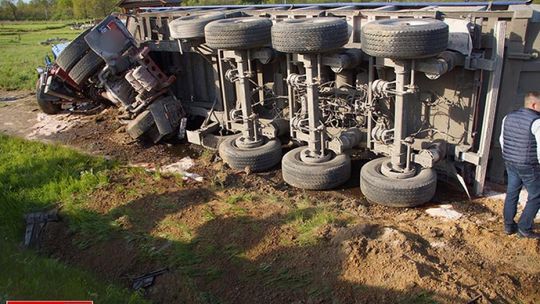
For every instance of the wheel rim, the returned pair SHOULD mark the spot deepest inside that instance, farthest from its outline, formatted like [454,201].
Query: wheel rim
[387,170]
[309,158]
[243,143]
[406,22]
[241,20]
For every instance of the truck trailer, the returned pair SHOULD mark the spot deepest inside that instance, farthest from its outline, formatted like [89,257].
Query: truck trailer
[424,86]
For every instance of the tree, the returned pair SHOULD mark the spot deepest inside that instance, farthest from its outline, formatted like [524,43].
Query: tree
[46,5]
[10,8]
[81,9]
[63,9]
[102,8]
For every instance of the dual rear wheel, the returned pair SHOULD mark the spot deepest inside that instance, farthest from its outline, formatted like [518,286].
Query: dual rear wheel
[333,172]
[79,60]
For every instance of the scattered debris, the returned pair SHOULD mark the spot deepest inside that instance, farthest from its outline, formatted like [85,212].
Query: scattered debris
[54,41]
[13,98]
[147,280]
[438,244]
[81,26]
[9,99]
[194,176]
[87,108]
[444,211]
[35,224]
[181,167]
[48,125]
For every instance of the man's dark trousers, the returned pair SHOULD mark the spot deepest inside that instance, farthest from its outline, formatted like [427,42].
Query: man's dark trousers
[519,176]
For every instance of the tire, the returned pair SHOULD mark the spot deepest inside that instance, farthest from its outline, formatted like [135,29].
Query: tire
[258,159]
[313,35]
[404,38]
[86,67]
[238,33]
[190,27]
[315,176]
[73,52]
[45,102]
[392,192]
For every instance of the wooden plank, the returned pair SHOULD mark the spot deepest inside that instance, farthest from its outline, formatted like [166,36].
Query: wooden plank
[490,108]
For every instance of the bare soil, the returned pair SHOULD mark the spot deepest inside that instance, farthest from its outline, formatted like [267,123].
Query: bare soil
[250,249]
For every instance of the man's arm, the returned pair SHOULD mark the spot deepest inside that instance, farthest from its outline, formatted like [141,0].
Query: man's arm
[535,129]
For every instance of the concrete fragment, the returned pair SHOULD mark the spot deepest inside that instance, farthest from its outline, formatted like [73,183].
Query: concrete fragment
[444,211]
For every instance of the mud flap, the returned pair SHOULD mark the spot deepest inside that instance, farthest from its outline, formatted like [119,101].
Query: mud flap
[160,120]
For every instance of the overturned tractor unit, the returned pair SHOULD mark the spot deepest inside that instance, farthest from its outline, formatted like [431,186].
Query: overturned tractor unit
[424,86]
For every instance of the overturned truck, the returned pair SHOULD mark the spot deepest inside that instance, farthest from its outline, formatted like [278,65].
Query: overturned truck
[423,85]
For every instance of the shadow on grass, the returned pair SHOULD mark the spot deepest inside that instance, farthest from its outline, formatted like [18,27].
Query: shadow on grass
[227,254]
[232,258]
[34,176]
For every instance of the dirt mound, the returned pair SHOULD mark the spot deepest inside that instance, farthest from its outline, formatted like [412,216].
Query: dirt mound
[385,256]
[388,257]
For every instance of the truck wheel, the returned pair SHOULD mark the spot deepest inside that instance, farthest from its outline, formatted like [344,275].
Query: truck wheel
[45,102]
[258,159]
[192,26]
[73,52]
[404,38]
[86,67]
[392,192]
[238,33]
[315,176]
[313,35]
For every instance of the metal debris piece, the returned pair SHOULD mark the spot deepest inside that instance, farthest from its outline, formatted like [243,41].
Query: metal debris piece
[35,224]
[183,126]
[147,280]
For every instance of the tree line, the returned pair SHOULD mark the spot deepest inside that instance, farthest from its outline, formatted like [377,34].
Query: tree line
[55,9]
[84,9]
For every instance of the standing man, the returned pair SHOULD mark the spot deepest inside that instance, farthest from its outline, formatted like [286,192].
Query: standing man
[520,143]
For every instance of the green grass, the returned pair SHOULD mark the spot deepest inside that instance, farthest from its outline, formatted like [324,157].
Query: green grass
[35,176]
[26,276]
[174,229]
[237,198]
[307,222]
[22,52]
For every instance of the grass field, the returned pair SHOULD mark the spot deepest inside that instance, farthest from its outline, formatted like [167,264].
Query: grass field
[21,51]
[34,176]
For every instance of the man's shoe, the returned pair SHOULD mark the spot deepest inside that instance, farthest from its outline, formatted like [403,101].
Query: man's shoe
[510,229]
[528,234]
